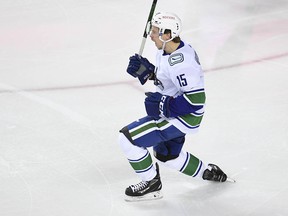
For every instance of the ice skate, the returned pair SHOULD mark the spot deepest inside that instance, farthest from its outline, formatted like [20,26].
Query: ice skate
[214,173]
[145,190]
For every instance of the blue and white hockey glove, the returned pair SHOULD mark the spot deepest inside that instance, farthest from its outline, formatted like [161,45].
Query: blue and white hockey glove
[140,67]
[157,104]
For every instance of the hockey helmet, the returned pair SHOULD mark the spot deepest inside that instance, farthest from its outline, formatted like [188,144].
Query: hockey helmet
[167,20]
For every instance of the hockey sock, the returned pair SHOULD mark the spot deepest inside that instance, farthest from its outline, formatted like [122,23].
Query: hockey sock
[139,158]
[192,166]
[187,164]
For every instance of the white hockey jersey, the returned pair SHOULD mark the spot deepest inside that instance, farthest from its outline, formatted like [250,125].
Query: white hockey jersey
[180,74]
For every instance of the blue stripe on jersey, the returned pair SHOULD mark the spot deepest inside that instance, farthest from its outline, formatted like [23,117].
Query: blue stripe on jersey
[194,91]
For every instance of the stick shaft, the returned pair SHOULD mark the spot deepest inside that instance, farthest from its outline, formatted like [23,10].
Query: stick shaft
[145,32]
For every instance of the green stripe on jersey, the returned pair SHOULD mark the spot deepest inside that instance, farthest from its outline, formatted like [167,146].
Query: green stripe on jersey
[191,120]
[198,98]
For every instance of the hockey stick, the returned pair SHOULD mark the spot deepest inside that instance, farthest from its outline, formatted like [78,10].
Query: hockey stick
[145,34]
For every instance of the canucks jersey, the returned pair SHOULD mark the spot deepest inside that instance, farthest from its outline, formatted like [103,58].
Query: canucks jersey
[180,75]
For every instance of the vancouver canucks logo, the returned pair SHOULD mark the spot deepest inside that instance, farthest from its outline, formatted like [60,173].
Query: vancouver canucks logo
[176,58]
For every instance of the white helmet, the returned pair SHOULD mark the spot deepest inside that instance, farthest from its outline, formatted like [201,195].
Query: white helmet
[165,20]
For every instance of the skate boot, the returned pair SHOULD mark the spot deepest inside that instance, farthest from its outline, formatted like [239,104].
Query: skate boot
[214,173]
[145,190]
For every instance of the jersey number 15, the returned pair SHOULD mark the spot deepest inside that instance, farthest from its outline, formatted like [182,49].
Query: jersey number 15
[182,80]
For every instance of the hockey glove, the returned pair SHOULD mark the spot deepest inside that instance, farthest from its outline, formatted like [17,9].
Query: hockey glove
[140,67]
[157,104]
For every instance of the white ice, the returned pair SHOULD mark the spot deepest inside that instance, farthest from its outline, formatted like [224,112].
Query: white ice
[64,94]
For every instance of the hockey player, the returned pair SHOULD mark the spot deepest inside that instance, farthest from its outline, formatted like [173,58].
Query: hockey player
[175,109]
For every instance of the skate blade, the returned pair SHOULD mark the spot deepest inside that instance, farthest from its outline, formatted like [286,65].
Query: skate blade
[230,180]
[150,196]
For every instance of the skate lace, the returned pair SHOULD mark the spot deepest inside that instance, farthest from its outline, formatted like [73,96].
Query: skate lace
[140,186]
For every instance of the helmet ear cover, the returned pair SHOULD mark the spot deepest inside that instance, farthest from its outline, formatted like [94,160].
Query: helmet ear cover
[161,32]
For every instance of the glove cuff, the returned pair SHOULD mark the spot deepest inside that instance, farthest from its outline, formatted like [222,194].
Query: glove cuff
[164,106]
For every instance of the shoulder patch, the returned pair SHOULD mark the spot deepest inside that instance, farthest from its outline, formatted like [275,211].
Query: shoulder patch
[176,58]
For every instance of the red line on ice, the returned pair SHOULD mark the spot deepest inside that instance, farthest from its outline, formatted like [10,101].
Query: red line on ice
[97,85]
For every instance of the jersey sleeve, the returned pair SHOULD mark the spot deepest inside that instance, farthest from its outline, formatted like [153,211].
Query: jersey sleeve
[189,102]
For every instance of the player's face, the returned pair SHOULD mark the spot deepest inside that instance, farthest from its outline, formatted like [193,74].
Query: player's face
[154,35]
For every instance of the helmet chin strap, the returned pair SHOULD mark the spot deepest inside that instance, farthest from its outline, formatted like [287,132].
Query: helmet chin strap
[163,45]
[164,42]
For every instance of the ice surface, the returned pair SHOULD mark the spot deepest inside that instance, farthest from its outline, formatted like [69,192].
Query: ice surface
[64,94]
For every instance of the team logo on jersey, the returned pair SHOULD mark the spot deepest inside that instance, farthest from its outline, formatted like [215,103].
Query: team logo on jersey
[176,58]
